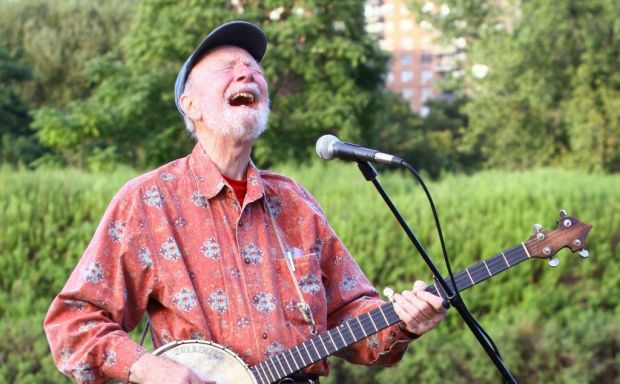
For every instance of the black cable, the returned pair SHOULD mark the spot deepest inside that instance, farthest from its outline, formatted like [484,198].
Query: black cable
[445,255]
[146,329]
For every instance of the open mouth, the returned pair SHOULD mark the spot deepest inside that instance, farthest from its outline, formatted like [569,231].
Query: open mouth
[242,99]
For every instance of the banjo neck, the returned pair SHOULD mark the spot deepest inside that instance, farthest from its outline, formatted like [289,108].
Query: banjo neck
[355,329]
[325,344]
[571,233]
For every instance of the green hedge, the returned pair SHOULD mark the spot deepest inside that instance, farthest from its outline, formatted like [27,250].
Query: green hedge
[555,325]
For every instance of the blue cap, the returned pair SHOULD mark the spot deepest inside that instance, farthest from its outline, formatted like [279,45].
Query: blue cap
[236,33]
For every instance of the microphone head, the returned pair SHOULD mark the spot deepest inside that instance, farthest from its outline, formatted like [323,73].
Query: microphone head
[325,145]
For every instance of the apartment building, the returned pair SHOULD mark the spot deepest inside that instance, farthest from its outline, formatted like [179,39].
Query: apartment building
[417,62]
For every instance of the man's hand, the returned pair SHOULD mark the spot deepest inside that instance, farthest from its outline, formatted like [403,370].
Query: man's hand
[418,310]
[150,369]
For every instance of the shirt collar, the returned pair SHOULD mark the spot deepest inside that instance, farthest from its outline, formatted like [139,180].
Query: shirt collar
[210,181]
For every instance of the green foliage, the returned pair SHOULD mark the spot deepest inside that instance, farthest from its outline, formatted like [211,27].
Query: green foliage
[55,39]
[552,325]
[442,134]
[101,81]
[17,144]
[67,134]
[325,74]
[53,42]
[47,218]
[12,111]
[24,355]
[432,144]
[551,96]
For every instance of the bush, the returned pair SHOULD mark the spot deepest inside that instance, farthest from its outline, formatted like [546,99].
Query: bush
[552,325]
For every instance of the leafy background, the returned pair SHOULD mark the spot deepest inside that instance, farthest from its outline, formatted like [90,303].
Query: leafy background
[86,104]
[88,84]
[552,325]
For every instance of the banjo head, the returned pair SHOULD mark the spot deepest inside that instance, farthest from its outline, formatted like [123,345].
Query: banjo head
[209,360]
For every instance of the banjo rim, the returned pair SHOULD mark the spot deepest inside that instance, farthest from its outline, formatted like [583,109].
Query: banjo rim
[175,344]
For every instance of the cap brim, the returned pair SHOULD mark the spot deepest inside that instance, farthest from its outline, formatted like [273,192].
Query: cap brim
[236,33]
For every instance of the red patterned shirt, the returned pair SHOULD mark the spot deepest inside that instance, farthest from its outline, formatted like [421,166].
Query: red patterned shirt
[175,242]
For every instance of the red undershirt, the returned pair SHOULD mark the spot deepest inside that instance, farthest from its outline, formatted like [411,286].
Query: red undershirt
[238,186]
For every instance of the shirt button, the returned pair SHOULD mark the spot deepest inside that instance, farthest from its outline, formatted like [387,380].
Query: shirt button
[240,224]
[264,335]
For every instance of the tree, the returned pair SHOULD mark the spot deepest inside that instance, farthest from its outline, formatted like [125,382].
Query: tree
[443,131]
[17,142]
[325,75]
[54,41]
[551,93]
[56,38]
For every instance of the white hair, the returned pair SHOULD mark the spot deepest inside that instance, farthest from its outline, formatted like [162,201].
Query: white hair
[247,123]
[189,123]
[189,126]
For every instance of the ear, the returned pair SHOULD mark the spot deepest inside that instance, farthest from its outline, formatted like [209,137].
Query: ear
[189,107]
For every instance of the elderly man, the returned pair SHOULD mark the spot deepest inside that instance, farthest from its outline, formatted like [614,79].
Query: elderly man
[214,249]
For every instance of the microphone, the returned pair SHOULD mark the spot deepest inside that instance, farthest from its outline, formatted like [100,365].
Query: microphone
[329,147]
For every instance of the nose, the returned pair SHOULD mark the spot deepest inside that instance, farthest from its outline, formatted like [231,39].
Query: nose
[243,73]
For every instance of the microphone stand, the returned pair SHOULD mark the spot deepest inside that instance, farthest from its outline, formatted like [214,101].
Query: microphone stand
[370,174]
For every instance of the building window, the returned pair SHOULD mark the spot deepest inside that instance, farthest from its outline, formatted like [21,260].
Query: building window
[426,76]
[406,59]
[426,58]
[375,28]
[406,76]
[424,111]
[406,25]
[385,44]
[390,77]
[387,9]
[407,93]
[371,11]
[427,93]
[406,43]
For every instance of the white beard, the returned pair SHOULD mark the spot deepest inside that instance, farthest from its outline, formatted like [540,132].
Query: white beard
[238,122]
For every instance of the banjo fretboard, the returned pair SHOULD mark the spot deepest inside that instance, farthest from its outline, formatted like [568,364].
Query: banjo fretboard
[353,330]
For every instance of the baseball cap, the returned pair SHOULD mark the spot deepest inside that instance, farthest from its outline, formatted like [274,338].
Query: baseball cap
[237,33]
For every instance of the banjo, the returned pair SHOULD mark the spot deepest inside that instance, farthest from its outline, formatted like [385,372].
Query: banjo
[215,362]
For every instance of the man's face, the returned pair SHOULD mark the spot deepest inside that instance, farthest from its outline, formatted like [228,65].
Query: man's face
[230,93]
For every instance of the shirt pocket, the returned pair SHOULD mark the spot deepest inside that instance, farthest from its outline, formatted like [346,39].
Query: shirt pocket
[309,279]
